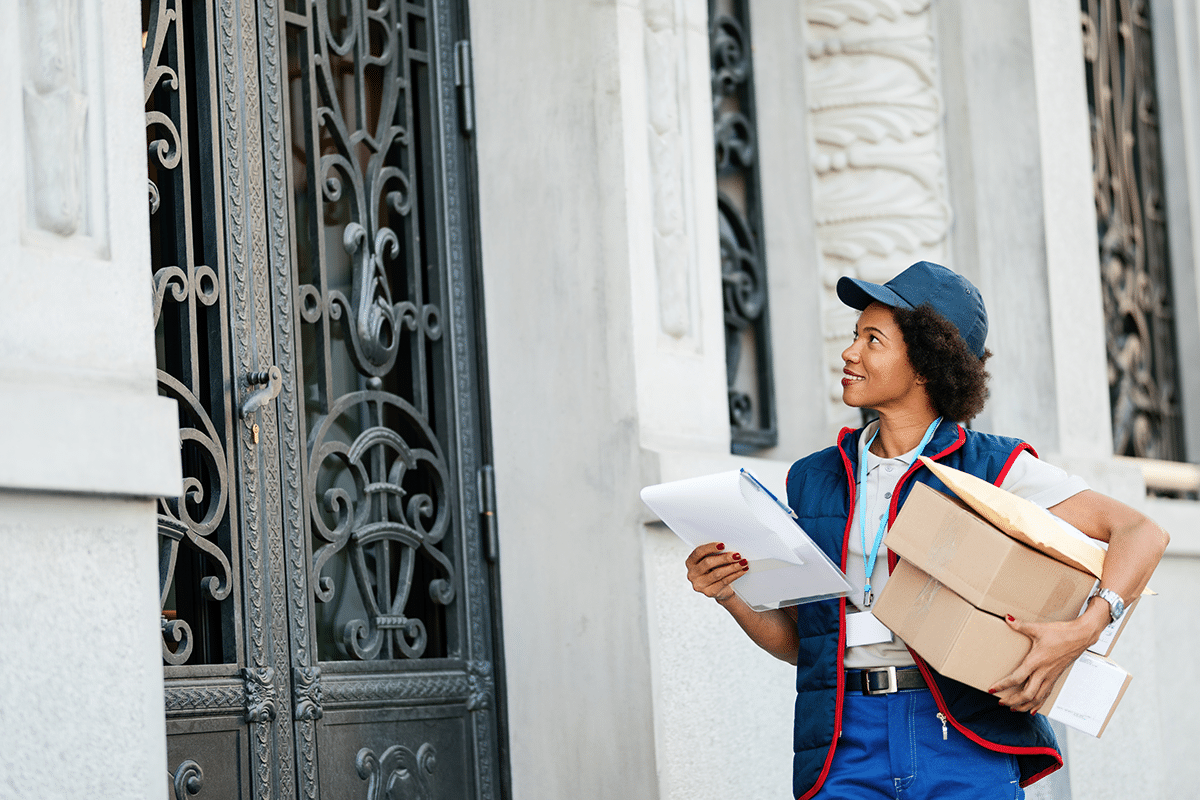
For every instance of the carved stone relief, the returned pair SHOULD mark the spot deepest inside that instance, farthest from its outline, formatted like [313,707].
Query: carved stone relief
[879,177]
[56,111]
[663,45]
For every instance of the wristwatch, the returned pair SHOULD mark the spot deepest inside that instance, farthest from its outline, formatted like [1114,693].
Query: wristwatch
[1116,606]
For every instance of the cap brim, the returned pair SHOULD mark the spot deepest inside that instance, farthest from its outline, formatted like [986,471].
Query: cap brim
[860,294]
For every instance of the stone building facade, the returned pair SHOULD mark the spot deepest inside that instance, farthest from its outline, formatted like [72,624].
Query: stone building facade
[885,132]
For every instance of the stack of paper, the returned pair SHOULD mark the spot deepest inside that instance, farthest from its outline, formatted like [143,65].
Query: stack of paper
[786,567]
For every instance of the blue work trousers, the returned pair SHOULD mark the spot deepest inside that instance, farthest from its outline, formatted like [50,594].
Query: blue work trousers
[895,746]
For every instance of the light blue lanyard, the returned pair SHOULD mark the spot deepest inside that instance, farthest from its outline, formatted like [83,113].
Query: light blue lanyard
[869,561]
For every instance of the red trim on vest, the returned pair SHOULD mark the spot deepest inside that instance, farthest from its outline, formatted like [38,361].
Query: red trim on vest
[841,685]
[926,671]
[1012,459]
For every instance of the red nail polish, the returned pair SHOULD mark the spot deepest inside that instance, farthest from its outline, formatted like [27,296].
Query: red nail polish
[735,556]
[743,562]
[721,546]
[1010,618]
[991,691]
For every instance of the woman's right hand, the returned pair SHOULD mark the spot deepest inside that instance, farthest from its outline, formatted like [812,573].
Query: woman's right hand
[712,570]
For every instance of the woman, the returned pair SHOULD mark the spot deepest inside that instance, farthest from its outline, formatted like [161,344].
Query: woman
[872,719]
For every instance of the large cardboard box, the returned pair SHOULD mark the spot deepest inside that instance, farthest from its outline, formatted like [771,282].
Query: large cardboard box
[954,637]
[977,648]
[985,566]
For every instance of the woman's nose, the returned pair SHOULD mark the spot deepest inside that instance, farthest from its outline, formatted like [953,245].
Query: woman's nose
[850,354]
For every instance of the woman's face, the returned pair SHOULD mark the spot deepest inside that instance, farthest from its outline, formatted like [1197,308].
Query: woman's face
[878,374]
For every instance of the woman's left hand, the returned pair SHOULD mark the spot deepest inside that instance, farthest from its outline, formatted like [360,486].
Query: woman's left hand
[1056,645]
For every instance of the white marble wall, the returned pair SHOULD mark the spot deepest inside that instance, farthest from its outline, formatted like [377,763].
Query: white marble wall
[86,438]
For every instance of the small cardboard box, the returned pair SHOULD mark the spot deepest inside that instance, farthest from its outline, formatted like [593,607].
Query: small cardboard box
[985,566]
[977,648]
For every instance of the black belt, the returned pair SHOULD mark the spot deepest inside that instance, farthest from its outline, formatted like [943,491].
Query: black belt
[885,680]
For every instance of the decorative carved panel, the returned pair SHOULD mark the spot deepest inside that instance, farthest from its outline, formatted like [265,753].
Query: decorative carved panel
[56,115]
[879,182]
[668,159]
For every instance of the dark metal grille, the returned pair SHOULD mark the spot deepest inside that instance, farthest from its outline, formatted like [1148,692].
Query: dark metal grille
[1127,171]
[378,486]
[739,207]
[198,570]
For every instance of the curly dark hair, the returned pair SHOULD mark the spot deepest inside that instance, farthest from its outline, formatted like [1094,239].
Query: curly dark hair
[955,377]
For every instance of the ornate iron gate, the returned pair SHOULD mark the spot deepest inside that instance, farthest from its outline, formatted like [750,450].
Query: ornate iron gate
[327,622]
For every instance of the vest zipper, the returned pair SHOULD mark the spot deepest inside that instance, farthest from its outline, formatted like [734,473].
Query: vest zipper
[945,732]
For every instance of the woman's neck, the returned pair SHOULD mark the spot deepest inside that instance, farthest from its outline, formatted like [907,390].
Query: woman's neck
[901,432]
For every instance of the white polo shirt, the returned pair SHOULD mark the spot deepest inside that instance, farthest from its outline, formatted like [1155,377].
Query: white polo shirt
[1043,484]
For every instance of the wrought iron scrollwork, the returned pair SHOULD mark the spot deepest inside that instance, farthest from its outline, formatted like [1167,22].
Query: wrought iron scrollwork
[377,493]
[383,501]
[188,310]
[399,772]
[360,172]
[1135,272]
[188,780]
[192,518]
[743,268]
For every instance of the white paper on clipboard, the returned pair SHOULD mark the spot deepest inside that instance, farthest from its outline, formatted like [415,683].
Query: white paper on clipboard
[786,566]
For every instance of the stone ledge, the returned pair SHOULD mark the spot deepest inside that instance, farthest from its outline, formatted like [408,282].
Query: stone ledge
[94,441]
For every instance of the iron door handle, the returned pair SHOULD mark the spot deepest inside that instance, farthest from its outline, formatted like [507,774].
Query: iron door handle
[273,378]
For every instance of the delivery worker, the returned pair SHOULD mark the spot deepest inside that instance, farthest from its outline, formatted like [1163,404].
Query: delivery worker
[872,719]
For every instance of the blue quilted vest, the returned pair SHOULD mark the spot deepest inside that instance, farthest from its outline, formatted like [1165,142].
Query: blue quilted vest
[821,488]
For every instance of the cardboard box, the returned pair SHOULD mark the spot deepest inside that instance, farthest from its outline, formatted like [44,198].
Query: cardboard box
[954,637]
[977,648]
[982,564]
[1021,519]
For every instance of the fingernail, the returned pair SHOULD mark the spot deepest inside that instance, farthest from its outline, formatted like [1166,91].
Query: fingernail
[991,691]
[743,562]
[721,546]
[1010,618]
[736,556]
[1033,711]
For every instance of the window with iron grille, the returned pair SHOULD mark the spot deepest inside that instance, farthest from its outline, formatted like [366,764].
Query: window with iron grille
[739,206]
[1132,228]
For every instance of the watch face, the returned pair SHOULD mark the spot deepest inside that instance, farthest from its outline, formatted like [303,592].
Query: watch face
[1118,610]
[1115,603]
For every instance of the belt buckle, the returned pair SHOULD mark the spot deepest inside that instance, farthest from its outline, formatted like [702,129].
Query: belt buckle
[890,688]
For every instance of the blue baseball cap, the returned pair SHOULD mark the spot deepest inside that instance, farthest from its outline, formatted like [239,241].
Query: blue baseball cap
[950,294]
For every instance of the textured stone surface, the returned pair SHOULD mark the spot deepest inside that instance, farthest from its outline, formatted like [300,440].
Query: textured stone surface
[80,669]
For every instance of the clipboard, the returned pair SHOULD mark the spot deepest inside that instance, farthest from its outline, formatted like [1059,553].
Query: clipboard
[785,566]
